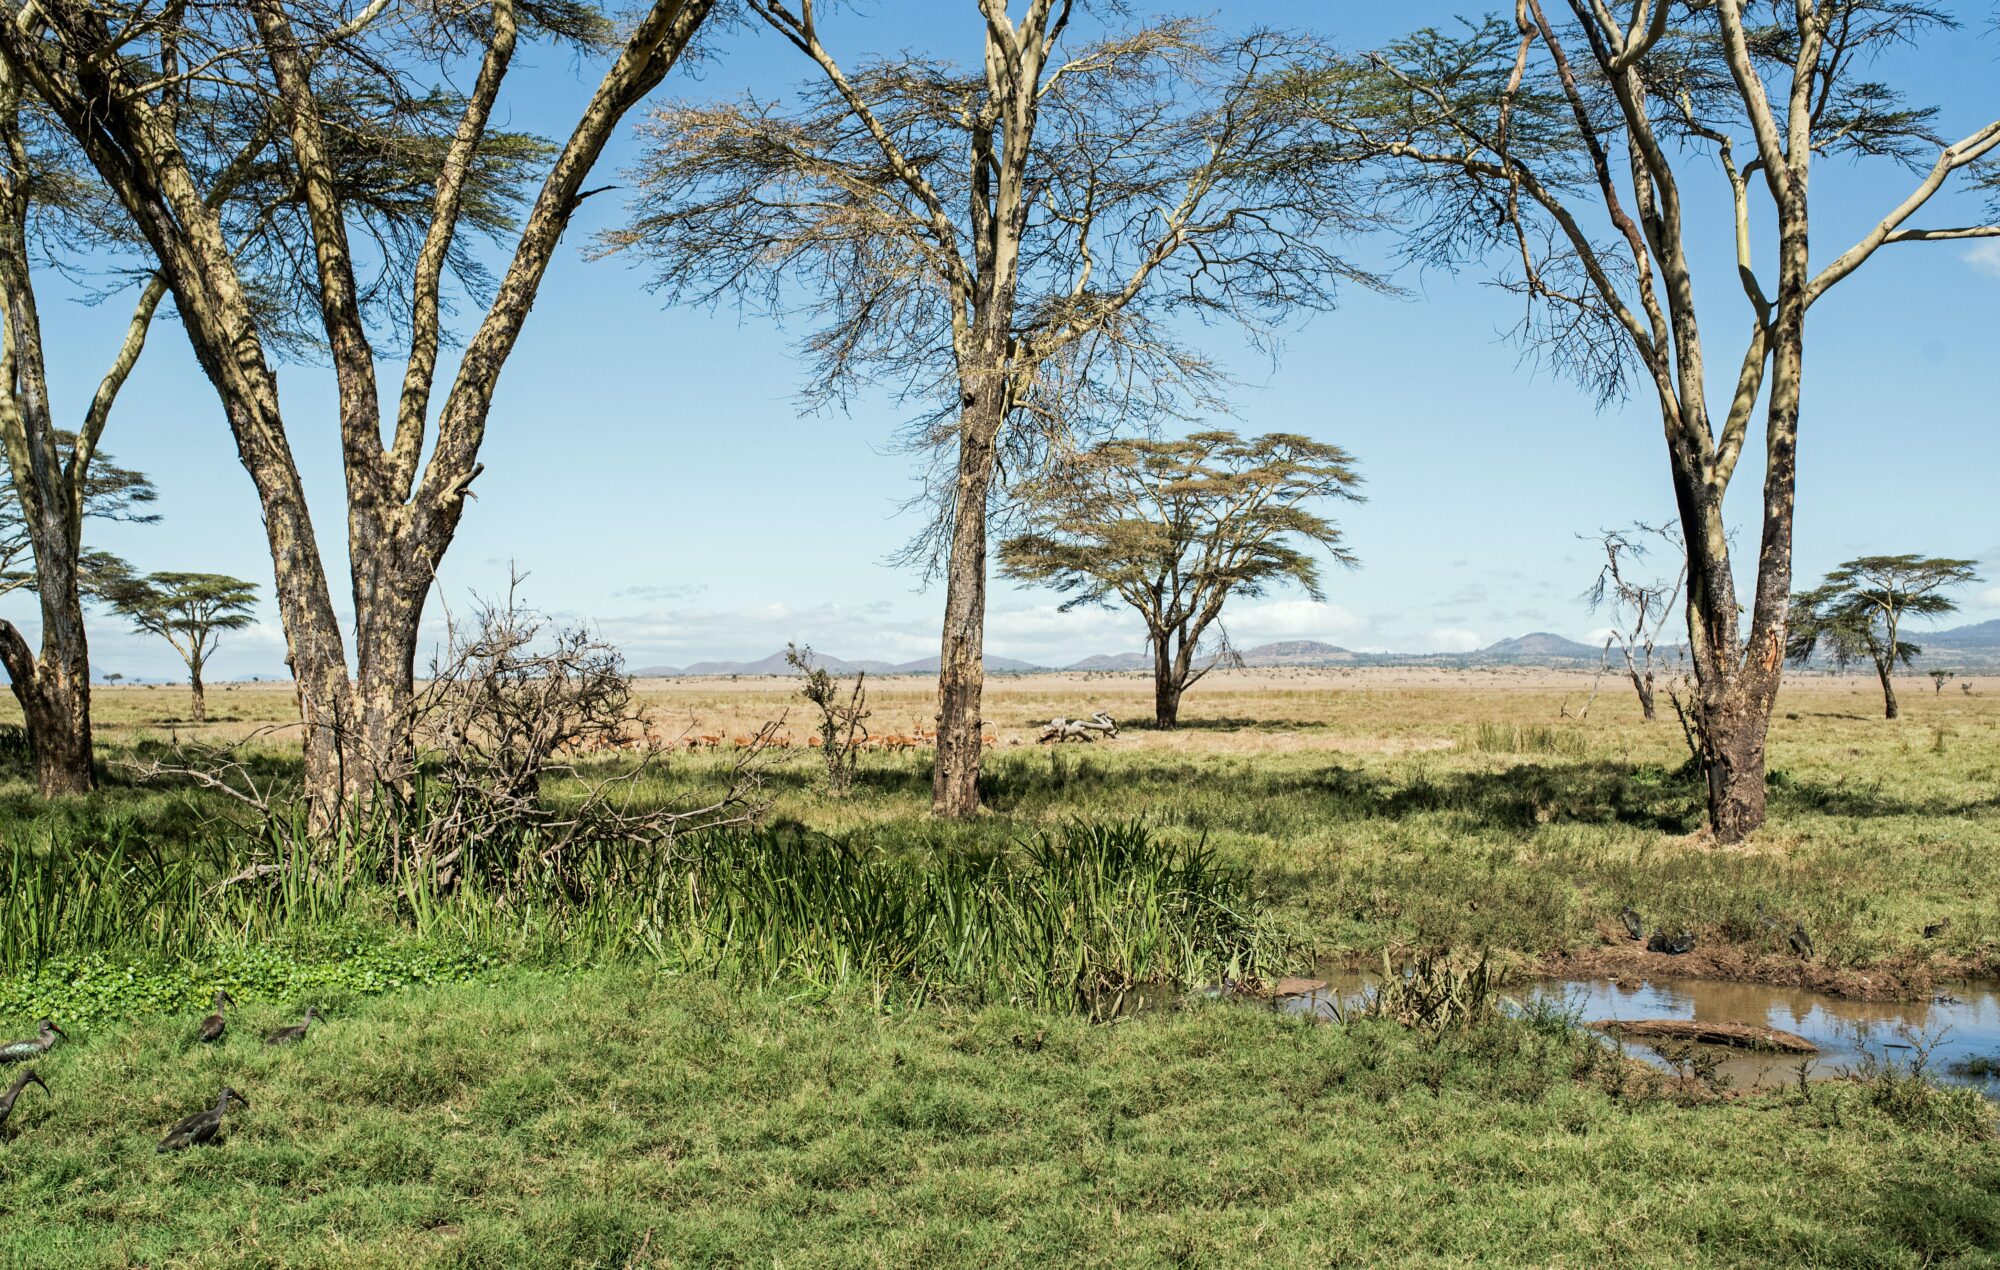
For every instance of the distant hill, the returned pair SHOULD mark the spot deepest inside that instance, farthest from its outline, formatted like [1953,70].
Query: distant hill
[775,664]
[1538,649]
[1974,647]
[1980,635]
[929,665]
[1114,661]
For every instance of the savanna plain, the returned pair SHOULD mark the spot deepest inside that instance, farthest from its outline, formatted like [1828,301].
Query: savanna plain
[855,1035]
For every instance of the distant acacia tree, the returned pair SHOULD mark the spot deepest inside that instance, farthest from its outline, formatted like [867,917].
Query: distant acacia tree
[1857,613]
[1175,528]
[190,611]
[1638,607]
[1014,247]
[1569,143]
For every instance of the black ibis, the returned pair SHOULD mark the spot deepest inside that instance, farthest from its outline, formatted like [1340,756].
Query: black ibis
[1801,942]
[213,1025]
[1673,945]
[296,1032]
[1633,927]
[35,1046]
[21,1082]
[1937,928]
[200,1128]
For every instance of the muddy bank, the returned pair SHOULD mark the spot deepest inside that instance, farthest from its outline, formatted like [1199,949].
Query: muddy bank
[1913,976]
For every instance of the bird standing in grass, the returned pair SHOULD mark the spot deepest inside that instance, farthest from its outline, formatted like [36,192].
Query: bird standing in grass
[21,1082]
[1801,942]
[296,1032]
[1937,928]
[1634,929]
[212,1026]
[35,1046]
[200,1128]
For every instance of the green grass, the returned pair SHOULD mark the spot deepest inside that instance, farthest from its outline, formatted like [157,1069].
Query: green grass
[617,1118]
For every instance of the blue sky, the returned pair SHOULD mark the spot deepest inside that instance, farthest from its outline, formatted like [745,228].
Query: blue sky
[650,470]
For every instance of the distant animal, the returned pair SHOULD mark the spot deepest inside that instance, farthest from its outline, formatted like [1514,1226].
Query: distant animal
[1937,928]
[21,1082]
[212,1026]
[295,1033]
[1801,942]
[1673,946]
[1634,929]
[35,1046]
[202,1127]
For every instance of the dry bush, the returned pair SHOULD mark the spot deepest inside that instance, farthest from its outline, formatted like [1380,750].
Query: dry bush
[514,702]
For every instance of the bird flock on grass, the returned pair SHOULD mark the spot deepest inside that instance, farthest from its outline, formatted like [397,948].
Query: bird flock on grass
[1800,941]
[199,1129]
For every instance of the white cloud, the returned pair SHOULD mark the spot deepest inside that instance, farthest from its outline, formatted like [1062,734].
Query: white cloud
[1447,639]
[1984,257]
[1987,599]
[1260,622]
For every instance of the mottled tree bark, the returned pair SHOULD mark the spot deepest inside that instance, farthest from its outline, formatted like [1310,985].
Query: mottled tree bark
[356,728]
[1169,674]
[962,651]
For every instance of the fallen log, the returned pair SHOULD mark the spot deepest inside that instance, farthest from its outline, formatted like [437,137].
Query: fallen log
[1060,729]
[1735,1035]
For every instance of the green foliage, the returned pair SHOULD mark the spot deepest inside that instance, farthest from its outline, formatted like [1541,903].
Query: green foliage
[110,493]
[1857,613]
[1175,528]
[614,1118]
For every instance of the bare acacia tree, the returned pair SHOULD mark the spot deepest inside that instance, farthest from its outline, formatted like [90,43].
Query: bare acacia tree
[1563,150]
[1008,248]
[112,76]
[1638,607]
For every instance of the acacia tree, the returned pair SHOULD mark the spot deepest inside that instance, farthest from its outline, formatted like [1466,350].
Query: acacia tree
[1175,528]
[1858,612]
[53,688]
[53,211]
[112,76]
[1638,607]
[190,611]
[1563,150]
[1006,247]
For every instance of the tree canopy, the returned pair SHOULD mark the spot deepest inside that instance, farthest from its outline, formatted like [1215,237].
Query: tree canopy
[1174,528]
[1857,613]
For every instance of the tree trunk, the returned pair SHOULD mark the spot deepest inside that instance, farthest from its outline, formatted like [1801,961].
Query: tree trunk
[1644,684]
[1733,733]
[962,653]
[54,695]
[198,707]
[1165,689]
[386,635]
[1887,675]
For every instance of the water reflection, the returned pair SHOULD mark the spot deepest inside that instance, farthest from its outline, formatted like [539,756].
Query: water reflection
[1959,1026]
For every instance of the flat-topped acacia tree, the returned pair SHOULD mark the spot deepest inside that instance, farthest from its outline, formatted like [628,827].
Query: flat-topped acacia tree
[1176,528]
[1572,149]
[112,75]
[1857,613]
[1009,246]
[188,610]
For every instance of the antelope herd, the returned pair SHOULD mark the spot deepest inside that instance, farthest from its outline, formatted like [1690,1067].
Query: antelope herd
[650,737]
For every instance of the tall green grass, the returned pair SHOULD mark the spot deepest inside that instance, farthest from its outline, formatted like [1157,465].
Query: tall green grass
[1527,738]
[1058,920]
